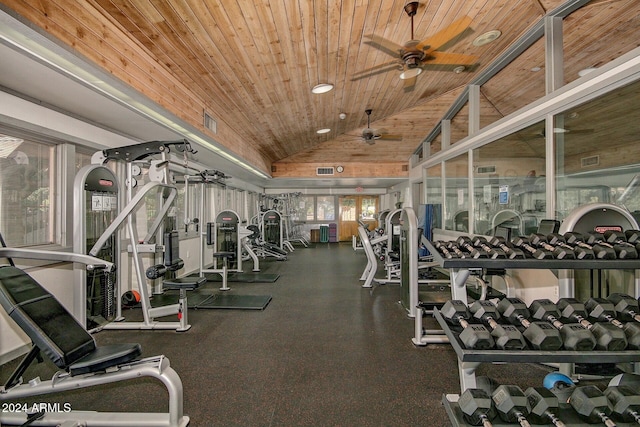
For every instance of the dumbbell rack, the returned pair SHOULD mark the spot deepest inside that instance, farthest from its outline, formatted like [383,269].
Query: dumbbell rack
[469,360]
[565,413]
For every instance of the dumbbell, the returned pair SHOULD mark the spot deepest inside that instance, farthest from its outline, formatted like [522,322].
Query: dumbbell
[511,404]
[523,243]
[544,405]
[509,251]
[625,403]
[472,336]
[559,252]
[600,252]
[465,243]
[541,335]
[603,310]
[574,336]
[507,337]
[622,249]
[482,243]
[557,239]
[607,336]
[626,306]
[592,405]
[477,407]
[620,238]
[442,248]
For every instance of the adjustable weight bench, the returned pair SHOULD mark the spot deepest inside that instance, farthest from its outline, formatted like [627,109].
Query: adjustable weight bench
[55,333]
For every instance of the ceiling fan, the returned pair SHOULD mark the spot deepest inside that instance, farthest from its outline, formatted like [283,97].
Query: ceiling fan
[370,135]
[416,54]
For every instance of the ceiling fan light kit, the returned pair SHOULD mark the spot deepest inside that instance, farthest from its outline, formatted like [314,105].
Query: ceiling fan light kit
[324,130]
[410,73]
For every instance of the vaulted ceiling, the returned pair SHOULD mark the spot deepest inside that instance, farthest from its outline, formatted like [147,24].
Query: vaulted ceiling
[251,66]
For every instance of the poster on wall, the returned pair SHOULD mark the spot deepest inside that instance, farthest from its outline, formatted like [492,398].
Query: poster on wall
[503,195]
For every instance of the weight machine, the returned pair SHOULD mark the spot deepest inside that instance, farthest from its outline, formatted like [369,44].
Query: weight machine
[136,158]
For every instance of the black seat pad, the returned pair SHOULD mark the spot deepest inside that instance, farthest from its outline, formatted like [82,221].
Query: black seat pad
[104,357]
[188,283]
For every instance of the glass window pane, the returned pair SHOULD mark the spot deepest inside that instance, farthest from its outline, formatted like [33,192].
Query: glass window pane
[456,197]
[509,184]
[369,208]
[597,156]
[26,185]
[307,208]
[434,191]
[347,209]
[326,208]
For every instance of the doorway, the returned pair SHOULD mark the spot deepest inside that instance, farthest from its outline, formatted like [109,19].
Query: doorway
[354,208]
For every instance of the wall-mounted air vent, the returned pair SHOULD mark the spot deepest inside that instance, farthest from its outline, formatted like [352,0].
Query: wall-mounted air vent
[324,171]
[486,169]
[590,161]
[210,123]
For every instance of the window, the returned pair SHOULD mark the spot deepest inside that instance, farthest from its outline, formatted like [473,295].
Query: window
[308,208]
[27,171]
[326,208]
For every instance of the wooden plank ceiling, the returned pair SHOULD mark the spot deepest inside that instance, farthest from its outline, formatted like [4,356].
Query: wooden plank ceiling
[252,64]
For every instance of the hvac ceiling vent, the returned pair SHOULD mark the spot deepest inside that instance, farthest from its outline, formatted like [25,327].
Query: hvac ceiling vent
[486,169]
[586,162]
[210,123]
[324,171]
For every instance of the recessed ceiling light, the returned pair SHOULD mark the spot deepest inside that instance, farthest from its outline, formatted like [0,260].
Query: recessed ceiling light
[322,88]
[487,37]
[325,130]
[410,72]
[586,71]
[536,69]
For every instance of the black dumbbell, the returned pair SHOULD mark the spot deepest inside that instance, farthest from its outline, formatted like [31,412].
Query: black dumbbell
[477,407]
[626,306]
[482,244]
[544,406]
[623,251]
[603,310]
[507,337]
[621,239]
[607,336]
[625,403]
[557,239]
[511,404]
[465,243]
[540,335]
[574,336]
[508,249]
[442,248]
[592,405]
[600,252]
[559,252]
[533,252]
[472,336]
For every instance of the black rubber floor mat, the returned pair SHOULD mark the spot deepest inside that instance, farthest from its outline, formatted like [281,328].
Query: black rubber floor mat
[243,277]
[234,302]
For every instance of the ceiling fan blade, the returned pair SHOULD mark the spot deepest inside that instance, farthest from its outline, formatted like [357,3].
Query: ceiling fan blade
[387,46]
[376,69]
[451,58]
[445,35]
[390,137]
